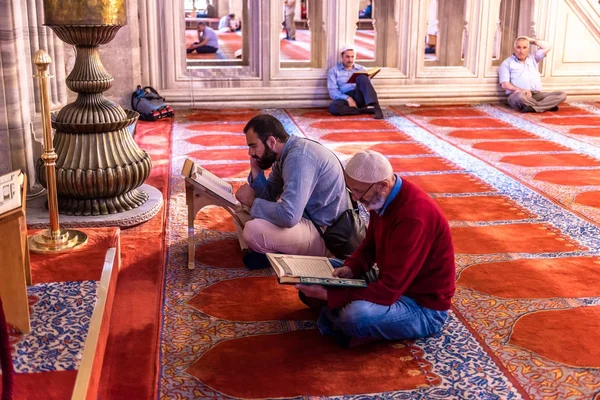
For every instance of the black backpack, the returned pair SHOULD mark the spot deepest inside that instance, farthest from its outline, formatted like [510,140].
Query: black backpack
[150,104]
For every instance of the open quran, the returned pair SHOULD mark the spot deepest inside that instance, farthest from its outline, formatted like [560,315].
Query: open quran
[205,189]
[212,184]
[308,270]
[370,73]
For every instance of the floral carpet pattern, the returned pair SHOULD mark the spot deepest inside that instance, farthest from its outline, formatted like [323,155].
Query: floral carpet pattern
[526,314]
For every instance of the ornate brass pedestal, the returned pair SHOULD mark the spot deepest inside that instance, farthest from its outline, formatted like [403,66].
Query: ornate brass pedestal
[99,165]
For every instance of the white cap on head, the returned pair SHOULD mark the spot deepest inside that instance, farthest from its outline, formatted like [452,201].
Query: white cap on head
[347,47]
[369,166]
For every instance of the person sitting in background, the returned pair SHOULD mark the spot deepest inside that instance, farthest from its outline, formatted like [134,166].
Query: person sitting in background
[210,12]
[409,241]
[306,179]
[207,40]
[229,23]
[367,12]
[351,98]
[520,77]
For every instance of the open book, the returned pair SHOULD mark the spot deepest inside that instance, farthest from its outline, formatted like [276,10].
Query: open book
[308,270]
[211,184]
[370,73]
[10,191]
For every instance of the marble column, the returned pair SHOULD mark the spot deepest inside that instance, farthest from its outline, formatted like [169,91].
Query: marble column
[21,35]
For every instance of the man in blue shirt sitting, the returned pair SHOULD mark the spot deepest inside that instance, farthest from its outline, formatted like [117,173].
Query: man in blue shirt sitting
[207,40]
[306,181]
[351,98]
[519,76]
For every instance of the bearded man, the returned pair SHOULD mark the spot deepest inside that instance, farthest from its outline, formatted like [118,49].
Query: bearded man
[306,179]
[409,241]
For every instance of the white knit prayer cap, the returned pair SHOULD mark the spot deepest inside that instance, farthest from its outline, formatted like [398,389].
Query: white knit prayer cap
[369,166]
[347,47]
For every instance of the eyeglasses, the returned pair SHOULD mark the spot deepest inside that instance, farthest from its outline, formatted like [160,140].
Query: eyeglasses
[365,192]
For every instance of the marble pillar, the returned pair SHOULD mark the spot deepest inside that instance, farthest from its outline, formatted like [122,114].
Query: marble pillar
[21,35]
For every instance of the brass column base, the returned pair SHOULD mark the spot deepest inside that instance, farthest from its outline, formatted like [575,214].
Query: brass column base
[64,240]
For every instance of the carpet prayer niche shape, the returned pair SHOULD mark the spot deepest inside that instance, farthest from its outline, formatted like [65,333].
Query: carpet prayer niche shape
[527,266]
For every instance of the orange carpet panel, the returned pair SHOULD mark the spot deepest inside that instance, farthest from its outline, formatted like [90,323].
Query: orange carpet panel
[586,131]
[535,278]
[552,160]
[481,208]
[469,123]
[575,177]
[367,126]
[419,164]
[591,198]
[224,253]
[219,140]
[294,363]
[399,149]
[587,121]
[550,334]
[270,301]
[364,136]
[232,128]
[221,155]
[517,238]
[519,146]
[492,134]
[449,183]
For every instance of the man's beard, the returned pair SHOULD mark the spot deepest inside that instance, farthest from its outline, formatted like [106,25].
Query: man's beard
[376,204]
[267,160]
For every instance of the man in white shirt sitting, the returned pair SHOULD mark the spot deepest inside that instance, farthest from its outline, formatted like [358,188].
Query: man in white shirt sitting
[229,23]
[520,77]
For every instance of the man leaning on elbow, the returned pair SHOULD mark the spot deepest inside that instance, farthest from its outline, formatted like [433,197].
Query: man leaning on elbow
[520,77]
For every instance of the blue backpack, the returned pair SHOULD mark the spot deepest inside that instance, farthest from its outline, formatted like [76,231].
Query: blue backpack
[150,104]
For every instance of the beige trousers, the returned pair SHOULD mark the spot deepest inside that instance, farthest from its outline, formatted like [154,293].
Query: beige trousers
[262,236]
[539,101]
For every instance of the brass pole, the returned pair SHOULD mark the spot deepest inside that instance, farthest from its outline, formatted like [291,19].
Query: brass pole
[52,240]
[42,60]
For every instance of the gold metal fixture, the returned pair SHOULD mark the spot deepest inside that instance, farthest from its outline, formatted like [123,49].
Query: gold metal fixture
[52,240]
[99,166]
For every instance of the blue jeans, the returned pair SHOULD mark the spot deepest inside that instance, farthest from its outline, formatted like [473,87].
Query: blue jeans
[405,319]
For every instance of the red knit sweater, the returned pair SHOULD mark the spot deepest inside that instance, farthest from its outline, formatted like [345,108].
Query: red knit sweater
[412,247]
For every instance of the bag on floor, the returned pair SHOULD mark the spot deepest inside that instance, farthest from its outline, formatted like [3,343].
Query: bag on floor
[150,104]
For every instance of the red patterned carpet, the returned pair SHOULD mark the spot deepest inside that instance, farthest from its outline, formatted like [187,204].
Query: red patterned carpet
[521,197]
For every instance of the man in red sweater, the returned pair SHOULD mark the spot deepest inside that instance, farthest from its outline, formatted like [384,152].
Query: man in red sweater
[409,241]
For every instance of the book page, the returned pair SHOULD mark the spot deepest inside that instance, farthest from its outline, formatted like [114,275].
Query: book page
[304,266]
[215,184]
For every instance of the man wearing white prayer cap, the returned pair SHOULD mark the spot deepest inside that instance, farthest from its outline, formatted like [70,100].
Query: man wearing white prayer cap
[351,98]
[409,241]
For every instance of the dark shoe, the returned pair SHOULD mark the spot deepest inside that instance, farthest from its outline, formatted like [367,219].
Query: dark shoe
[378,113]
[555,108]
[527,109]
[189,51]
[349,342]
[254,260]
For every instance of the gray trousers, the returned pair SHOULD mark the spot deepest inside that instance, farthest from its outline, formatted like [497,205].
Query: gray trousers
[290,26]
[539,101]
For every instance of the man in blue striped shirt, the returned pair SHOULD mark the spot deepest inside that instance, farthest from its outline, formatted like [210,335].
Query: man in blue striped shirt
[351,98]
